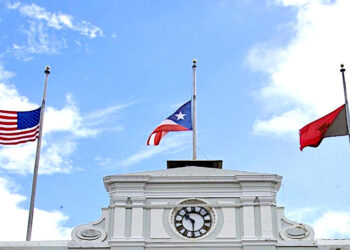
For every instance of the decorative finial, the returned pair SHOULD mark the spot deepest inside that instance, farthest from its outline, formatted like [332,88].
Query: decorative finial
[342,68]
[194,63]
[47,70]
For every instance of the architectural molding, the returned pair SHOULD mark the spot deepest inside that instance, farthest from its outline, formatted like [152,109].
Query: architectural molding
[143,207]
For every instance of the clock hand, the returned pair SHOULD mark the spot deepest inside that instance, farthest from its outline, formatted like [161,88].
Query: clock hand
[188,217]
[192,221]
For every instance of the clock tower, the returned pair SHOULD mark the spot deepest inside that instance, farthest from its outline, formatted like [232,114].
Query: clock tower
[193,205]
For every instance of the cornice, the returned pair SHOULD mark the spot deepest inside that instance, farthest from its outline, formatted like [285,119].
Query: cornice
[249,181]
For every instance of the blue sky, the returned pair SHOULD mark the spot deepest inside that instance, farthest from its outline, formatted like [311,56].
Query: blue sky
[118,68]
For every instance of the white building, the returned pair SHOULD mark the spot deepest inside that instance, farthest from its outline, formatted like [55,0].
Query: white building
[191,207]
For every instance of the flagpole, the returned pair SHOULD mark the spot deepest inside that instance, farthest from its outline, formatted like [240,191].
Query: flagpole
[342,70]
[37,157]
[194,111]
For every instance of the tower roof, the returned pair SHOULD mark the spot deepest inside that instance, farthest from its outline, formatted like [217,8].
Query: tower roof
[195,171]
[192,174]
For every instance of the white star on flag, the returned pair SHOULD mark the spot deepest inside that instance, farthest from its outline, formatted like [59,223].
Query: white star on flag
[180,116]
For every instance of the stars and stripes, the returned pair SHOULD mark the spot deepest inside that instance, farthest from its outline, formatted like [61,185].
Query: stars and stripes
[19,127]
[180,120]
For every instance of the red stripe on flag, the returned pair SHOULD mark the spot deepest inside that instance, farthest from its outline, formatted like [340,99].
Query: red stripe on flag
[18,138]
[170,128]
[19,142]
[7,129]
[8,112]
[157,138]
[8,123]
[8,117]
[19,131]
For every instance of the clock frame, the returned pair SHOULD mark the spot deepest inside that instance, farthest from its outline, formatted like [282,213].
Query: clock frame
[193,219]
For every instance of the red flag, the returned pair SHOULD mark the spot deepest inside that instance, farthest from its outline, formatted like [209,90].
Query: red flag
[333,124]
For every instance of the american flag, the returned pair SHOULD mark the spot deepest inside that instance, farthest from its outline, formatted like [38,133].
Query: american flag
[19,127]
[181,120]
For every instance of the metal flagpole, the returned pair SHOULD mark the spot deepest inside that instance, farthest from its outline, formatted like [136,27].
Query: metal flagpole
[194,114]
[37,157]
[342,70]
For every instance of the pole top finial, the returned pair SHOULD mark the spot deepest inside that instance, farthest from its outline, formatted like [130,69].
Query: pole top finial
[194,63]
[47,70]
[342,67]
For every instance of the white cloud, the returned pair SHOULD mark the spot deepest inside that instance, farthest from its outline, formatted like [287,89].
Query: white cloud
[38,42]
[47,225]
[326,224]
[39,38]
[57,20]
[172,141]
[55,152]
[304,214]
[304,81]
[62,129]
[106,112]
[293,2]
[105,115]
[103,162]
[4,74]
[288,122]
[10,99]
[67,119]
[333,224]
[54,158]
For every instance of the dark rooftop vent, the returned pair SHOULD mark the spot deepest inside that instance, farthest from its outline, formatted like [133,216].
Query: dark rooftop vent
[195,163]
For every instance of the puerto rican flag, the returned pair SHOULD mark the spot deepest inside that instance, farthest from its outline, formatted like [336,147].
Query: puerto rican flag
[19,127]
[180,120]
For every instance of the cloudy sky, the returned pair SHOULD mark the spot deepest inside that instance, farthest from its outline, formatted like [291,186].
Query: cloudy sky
[118,68]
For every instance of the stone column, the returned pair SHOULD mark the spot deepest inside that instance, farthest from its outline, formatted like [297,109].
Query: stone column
[266,217]
[248,218]
[137,219]
[119,220]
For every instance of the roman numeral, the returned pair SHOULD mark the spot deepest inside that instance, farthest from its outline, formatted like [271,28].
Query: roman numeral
[179,227]
[205,227]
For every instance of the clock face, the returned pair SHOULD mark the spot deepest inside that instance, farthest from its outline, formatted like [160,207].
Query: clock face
[193,222]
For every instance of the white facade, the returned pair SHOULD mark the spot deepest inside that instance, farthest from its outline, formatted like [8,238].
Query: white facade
[147,210]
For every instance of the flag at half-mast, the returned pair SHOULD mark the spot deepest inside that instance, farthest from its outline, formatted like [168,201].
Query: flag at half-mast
[332,124]
[19,127]
[180,120]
